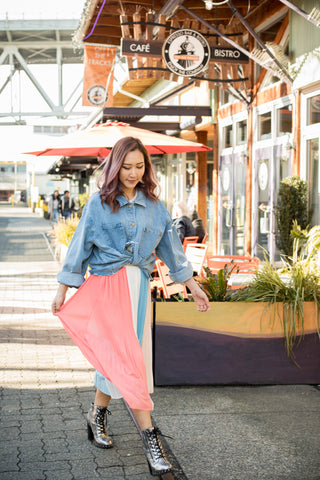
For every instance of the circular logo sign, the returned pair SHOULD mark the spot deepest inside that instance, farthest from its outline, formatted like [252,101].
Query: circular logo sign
[226,179]
[186,53]
[96,95]
[263,175]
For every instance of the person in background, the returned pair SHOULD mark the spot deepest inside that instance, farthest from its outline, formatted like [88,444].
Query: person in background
[198,225]
[109,316]
[181,221]
[54,206]
[67,205]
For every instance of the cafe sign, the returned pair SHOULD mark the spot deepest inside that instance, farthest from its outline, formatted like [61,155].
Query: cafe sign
[186,53]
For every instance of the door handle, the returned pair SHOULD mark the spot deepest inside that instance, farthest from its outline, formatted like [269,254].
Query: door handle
[229,215]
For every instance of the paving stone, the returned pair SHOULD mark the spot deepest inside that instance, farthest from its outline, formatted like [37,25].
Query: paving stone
[56,475]
[22,476]
[111,472]
[46,388]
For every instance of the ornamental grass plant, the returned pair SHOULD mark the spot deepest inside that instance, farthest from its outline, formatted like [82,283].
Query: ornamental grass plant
[296,282]
[63,231]
[215,285]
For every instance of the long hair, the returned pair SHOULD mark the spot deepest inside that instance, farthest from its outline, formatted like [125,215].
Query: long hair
[108,180]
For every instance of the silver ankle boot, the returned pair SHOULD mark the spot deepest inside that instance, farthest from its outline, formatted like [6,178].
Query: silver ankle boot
[96,420]
[158,464]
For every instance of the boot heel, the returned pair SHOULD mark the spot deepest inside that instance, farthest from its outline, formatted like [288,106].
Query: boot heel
[90,433]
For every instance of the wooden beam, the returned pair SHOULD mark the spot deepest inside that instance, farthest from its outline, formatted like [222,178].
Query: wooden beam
[277,40]
[215,188]
[262,13]
[202,137]
[248,207]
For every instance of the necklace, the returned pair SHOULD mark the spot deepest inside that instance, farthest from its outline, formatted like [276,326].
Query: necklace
[129,196]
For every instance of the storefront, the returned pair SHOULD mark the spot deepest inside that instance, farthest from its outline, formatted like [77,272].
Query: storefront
[262,126]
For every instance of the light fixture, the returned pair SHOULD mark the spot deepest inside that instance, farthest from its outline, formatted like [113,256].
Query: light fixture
[286,149]
[209,4]
[192,167]
[244,155]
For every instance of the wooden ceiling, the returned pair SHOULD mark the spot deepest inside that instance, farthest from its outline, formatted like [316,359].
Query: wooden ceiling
[100,22]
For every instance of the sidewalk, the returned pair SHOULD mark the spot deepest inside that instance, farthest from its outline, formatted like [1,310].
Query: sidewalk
[46,387]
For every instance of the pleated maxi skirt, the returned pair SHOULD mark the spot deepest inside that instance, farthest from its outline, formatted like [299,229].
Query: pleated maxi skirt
[108,318]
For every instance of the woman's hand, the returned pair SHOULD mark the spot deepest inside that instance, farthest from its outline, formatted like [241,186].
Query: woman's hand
[198,295]
[59,299]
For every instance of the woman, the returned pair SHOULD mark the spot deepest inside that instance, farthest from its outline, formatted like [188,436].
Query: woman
[120,228]
[54,206]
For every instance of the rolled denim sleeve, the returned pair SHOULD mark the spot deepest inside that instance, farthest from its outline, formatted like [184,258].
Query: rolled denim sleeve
[171,252]
[79,251]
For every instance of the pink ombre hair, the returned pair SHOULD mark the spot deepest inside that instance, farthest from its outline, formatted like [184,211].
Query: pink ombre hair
[108,180]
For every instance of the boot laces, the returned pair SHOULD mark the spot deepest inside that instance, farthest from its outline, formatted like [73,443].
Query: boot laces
[100,418]
[155,444]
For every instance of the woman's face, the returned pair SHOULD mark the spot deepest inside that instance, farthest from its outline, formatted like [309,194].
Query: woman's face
[131,172]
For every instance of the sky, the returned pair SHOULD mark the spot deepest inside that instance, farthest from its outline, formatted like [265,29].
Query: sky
[16,139]
[41,9]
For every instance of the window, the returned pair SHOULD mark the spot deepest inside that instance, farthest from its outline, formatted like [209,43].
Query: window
[226,97]
[313,110]
[313,178]
[264,126]
[284,117]
[21,168]
[227,136]
[241,130]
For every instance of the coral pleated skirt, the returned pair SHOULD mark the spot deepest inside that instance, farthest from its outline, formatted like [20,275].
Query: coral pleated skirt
[108,318]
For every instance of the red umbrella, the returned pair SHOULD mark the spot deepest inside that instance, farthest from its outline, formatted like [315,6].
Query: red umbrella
[98,142]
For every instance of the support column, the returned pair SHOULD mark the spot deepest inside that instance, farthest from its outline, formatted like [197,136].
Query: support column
[202,137]
[248,217]
[296,135]
[215,189]
[60,77]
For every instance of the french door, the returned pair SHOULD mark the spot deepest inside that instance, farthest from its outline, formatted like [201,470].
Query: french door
[269,169]
[232,204]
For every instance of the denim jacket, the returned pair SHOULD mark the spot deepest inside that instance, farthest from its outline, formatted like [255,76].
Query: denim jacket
[108,241]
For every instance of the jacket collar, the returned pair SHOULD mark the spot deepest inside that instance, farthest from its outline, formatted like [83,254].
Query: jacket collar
[139,200]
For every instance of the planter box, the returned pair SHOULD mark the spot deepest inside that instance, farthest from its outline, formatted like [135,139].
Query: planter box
[233,343]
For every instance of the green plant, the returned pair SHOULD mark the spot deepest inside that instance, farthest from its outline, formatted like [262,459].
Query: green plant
[64,229]
[83,198]
[309,240]
[179,297]
[292,204]
[298,281]
[215,285]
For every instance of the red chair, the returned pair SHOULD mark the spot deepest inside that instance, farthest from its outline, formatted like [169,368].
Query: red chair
[246,267]
[188,240]
[164,283]
[244,263]
[205,238]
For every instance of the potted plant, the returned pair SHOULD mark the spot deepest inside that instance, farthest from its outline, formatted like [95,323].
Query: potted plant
[265,333]
[292,206]
[63,232]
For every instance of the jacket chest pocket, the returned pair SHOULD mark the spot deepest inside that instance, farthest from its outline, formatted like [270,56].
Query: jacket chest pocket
[113,236]
[149,241]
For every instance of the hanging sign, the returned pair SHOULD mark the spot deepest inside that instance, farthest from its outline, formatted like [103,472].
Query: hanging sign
[98,62]
[186,52]
[228,55]
[143,48]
